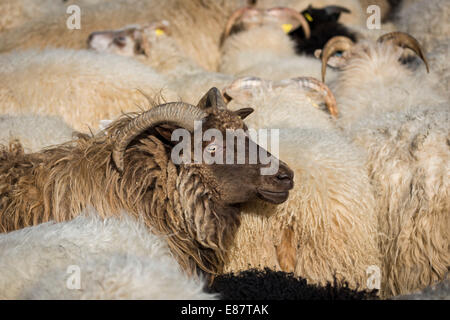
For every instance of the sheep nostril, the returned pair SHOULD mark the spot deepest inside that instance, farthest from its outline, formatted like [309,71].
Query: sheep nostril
[89,40]
[283,176]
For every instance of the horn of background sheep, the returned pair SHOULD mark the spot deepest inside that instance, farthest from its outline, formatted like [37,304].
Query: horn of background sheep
[405,40]
[335,44]
[296,15]
[241,83]
[316,85]
[233,18]
[181,114]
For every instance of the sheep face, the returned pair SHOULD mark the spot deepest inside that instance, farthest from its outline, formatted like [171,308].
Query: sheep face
[129,41]
[229,155]
[253,182]
[341,52]
[247,18]
[125,42]
[204,195]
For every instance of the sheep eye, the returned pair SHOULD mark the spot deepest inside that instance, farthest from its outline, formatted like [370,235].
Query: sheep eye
[120,41]
[211,148]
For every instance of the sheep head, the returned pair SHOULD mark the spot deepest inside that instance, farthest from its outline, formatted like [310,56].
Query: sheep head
[250,17]
[339,50]
[243,88]
[208,192]
[129,41]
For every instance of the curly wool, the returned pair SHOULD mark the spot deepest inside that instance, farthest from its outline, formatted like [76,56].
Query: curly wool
[35,132]
[277,285]
[117,257]
[80,86]
[327,227]
[408,163]
[58,183]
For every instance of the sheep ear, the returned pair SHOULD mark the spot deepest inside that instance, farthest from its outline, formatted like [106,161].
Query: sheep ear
[165,131]
[212,99]
[244,112]
[335,11]
[318,53]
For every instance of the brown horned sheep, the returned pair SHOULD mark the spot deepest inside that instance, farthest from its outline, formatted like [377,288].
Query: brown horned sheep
[130,167]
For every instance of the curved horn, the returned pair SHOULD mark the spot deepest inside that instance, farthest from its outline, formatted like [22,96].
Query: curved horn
[231,21]
[291,12]
[338,43]
[181,114]
[239,84]
[405,40]
[314,84]
[245,83]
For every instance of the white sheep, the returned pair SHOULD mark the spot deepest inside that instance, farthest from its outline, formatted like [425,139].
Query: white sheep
[197,25]
[372,79]
[328,225]
[160,51]
[244,54]
[409,166]
[115,258]
[401,119]
[80,86]
[34,131]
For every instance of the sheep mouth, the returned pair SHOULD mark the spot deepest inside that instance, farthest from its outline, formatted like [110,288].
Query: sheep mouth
[276,197]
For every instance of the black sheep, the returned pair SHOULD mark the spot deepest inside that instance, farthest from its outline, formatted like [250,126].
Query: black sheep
[324,25]
[277,285]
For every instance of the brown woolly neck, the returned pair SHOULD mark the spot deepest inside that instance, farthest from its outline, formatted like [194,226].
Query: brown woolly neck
[60,182]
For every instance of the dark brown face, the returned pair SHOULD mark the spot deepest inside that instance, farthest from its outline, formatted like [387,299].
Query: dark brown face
[240,171]
[231,163]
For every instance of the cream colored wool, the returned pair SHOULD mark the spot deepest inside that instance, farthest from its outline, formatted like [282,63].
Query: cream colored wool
[35,132]
[374,81]
[382,105]
[118,258]
[184,75]
[81,87]
[330,211]
[197,25]
[428,21]
[439,60]
[409,166]
[18,12]
[244,54]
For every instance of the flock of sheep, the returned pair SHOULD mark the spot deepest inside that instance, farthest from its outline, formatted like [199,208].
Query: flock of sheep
[87,181]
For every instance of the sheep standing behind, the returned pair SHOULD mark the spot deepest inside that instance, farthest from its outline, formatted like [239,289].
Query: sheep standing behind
[79,86]
[161,52]
[35,132]
[327,227]
[402,121]
[197,25]
[244,54]
[409,165]
[131,167]
[117,258]
[372,80]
